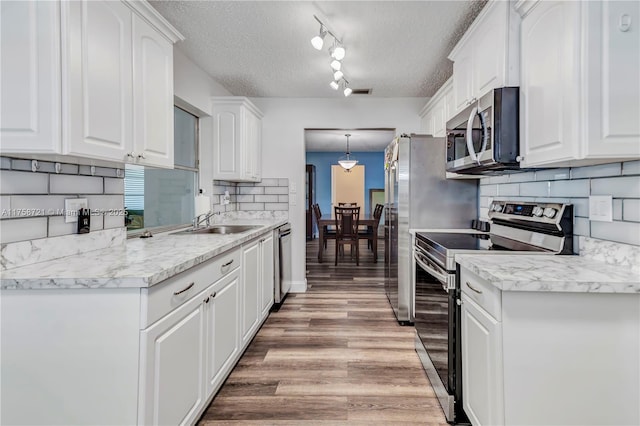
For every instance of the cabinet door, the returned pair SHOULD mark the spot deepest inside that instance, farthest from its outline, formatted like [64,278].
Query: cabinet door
[266,267]
[257,148]
[172,373]
[482,387]
[426,123]
[548,97]
[490,53]
[30,76]
[152,96]
[227,131]
[223,329]
[438,119]
[449,105]
[462,78]
[250,289]
[613,91]
[99,79]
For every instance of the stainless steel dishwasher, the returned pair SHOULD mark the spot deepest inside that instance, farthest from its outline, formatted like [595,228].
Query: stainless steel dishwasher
[282,266]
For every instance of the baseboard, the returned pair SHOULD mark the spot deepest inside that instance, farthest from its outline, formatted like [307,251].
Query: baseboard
[298,286]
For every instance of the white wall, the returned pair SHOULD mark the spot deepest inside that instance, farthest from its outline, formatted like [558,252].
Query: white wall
[283,148]
[193,89]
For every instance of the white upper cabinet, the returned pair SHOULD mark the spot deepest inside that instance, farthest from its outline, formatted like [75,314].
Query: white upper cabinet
[99,118]
[437,111]
[580,92]
[30,77]
[487,55]
[114,60]
[152,95]
[237,139]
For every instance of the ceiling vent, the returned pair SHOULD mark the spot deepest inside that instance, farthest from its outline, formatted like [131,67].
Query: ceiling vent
[361,91]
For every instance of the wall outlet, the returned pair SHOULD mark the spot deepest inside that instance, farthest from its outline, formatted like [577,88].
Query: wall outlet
[601,208]
[71,207]
[225,198]
[293,199]
[292,188]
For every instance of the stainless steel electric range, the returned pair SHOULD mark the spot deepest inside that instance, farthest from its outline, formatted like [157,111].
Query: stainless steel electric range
[527,228]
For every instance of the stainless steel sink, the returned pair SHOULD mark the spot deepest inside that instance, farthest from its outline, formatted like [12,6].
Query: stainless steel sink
[218,229]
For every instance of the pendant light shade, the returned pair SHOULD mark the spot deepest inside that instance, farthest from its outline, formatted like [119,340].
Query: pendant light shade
[318,41]
[336,64]
[347,161]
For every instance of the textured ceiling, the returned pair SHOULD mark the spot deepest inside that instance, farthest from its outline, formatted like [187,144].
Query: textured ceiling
[334,140]
[263,49]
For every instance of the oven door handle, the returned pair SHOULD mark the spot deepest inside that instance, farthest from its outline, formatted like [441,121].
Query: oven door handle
[424,264]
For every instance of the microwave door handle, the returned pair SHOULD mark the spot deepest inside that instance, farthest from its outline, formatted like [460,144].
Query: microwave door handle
[485,135]
[472,151]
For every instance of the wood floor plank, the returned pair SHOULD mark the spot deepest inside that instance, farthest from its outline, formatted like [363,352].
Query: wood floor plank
[334,355]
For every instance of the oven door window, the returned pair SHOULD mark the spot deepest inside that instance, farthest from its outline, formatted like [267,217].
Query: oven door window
[432,321]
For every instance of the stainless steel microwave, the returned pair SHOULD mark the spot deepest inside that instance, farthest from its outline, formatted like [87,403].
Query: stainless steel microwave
[484,138]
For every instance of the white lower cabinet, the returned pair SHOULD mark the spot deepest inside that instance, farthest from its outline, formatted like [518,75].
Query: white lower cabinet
[222,330]
[172,368]
[147,356]
[548,357]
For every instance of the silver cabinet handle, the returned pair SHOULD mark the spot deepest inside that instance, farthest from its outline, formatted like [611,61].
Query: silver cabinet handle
[191,284]
[519,158]
[474,289]
[213,295]
[228,263]
[141,156]
[131,154]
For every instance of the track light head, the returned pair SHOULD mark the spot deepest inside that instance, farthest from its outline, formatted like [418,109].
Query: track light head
[336,65]
[338,75]
[318,41]
[347,91]
[338,52]
[334,85]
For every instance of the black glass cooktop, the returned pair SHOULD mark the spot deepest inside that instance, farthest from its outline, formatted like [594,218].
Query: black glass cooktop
[456,241]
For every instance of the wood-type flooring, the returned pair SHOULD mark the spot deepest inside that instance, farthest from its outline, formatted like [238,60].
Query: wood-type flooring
[331,356]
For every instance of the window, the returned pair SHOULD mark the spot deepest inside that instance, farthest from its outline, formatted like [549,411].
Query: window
[163,198]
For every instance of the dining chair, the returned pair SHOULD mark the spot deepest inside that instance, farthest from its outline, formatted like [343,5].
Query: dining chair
[368,234]
[347,221]
[328,234]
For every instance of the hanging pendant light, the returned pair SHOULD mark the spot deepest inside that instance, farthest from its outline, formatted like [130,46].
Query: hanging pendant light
[347,161]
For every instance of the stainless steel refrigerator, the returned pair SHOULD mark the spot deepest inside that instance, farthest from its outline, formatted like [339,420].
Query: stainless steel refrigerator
[418,196]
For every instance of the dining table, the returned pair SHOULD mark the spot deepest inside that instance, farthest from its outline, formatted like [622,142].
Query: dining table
[364,220]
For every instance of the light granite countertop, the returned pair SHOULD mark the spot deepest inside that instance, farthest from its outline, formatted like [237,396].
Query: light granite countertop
[552,273]
[136,263]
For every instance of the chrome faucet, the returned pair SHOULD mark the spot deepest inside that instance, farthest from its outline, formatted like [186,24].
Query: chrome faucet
[207,218]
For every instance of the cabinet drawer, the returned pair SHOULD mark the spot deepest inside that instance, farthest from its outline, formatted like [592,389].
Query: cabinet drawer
[485,294]
[163,298]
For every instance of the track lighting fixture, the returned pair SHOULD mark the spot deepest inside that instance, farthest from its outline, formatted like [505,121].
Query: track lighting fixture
[337,53]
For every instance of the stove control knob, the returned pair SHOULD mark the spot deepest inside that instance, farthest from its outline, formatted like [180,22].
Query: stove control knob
[550,212]
[497,208]
[537,211]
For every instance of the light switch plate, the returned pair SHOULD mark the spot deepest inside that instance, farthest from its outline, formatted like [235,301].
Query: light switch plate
[292,188]
[293,199]
[71,207]
[601,208]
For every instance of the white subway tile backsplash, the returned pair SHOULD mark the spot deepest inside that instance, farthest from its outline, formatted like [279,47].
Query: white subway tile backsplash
[5,163]
[69,169]
[97,223]
[631,210]
[250,206]
[621,232]
[509,190]
[113,186]
[58,227]
[618,187]
[580,206]
[12,230]
[283,182]
[617,209]
[581,226]
[494,179]
[552,174]
[38,205]
[276,206]
[283,198]
[255,190]
[245,198]
[488,190]
[113,221]
[15,182]
[483,213]
[522,177]
[5,206]
[282,190]
[266,198]
[267,182]
[24,165]
[535,189]
[569,188]
[67,184]
[613,169]
[631,168]
[104,203]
